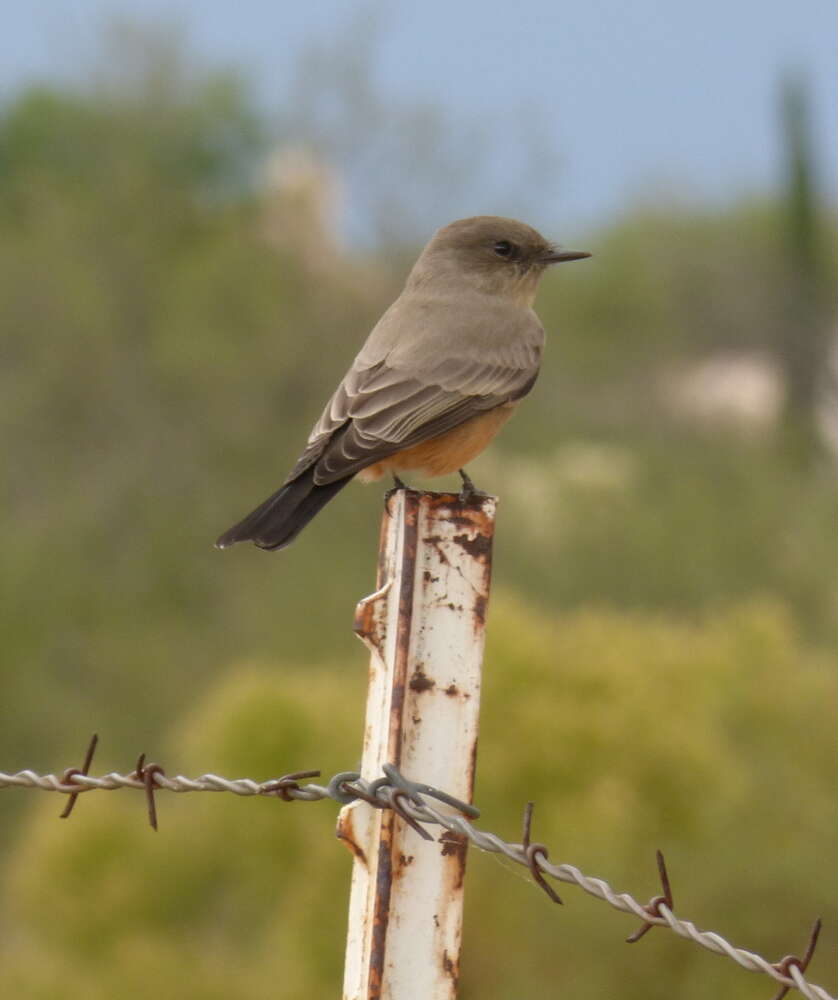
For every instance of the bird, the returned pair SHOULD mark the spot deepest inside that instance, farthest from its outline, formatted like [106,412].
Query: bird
[438,376]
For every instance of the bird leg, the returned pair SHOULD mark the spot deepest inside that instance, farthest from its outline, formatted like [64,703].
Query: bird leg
[469,490]
[398,484]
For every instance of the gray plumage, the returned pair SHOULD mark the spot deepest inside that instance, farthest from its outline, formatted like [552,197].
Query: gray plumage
[472,356]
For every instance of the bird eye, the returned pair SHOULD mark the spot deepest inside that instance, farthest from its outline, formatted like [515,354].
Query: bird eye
[503,248]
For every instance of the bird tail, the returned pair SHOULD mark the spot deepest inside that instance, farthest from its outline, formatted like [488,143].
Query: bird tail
[277,521]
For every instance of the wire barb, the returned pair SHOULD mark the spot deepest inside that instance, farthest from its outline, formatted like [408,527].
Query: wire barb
[532,852]
[784,966]
[397,796]
[146,773]
[654,906]
[415,790]
[67,777]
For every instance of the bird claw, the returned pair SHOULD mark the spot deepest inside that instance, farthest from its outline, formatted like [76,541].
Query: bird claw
[398,484]
[469,492]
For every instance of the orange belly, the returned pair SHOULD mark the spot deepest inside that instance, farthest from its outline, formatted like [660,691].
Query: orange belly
[446,453]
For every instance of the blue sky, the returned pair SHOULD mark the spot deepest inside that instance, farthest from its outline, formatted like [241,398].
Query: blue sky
[635,98]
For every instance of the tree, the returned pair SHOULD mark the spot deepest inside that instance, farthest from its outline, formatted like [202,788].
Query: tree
[803,346]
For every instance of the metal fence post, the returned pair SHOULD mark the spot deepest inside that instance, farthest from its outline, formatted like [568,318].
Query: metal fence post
[425,628]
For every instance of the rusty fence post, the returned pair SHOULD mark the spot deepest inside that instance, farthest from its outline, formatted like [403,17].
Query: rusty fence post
[425,627]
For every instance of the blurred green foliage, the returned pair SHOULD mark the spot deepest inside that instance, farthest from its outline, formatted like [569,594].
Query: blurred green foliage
[662,660]
[629,731]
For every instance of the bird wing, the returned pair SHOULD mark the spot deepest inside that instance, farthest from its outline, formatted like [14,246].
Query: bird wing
[426,368]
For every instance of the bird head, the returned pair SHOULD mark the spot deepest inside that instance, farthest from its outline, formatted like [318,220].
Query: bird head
[491,254]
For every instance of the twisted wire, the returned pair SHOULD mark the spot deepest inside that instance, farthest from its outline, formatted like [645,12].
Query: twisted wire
[408,798]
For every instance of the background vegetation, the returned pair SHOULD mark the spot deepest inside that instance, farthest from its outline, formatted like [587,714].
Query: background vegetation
[662,653]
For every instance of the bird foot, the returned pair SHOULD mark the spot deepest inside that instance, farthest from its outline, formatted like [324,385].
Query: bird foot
[469,491]
[398,484]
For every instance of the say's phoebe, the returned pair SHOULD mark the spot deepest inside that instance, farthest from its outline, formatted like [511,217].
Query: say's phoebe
[439,375]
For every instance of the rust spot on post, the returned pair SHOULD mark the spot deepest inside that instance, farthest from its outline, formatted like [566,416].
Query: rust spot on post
[451,967]
[381,915]
[405,622]
[370,624]
[479,547]
[455,845]
[346,833]
[420,681]
[436,541]
[364,624]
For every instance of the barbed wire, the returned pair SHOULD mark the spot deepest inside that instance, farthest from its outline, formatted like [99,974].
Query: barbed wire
[409,800]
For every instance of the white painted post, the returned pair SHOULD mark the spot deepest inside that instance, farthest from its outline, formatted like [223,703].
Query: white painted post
[425,628]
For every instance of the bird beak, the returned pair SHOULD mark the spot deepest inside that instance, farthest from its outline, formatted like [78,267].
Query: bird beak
[557,256]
